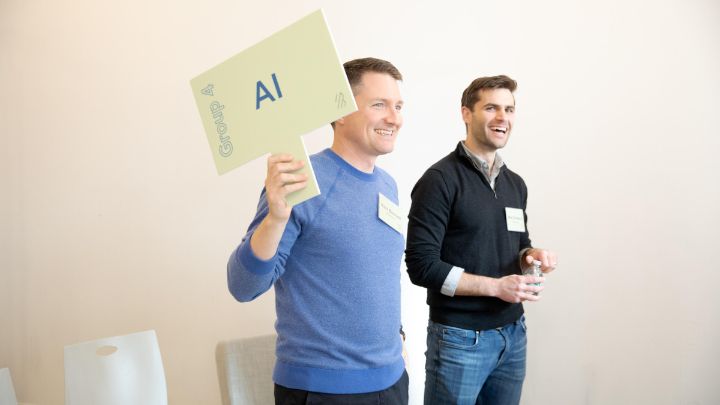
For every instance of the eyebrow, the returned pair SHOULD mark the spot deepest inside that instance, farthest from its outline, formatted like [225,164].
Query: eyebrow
[498,105]
[385,100]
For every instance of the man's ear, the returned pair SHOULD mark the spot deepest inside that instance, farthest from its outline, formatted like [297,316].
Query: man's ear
[466,114]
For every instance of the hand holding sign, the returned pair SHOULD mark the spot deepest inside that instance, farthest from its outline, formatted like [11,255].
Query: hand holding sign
[281,181]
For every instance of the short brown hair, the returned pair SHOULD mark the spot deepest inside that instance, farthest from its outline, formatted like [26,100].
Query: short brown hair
[354,69]
[471,95]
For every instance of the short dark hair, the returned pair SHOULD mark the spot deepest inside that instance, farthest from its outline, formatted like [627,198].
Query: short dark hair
[354,70]
[471,95]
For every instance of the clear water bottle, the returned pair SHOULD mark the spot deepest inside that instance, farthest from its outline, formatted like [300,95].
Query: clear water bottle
[534,271]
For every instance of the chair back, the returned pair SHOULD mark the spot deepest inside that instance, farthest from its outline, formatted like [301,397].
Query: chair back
[245,368]
[118,370]
[7,392]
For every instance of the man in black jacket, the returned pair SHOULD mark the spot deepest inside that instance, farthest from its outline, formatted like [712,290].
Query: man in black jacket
[468,244]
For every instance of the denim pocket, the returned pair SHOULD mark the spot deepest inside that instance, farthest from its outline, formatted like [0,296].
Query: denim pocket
[521,321]
[459,338]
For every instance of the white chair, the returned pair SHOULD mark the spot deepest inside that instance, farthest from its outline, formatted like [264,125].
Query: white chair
[119,370]
[7,392]
[245,368]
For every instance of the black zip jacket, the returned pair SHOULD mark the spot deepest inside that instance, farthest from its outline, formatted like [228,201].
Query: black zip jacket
[457,219]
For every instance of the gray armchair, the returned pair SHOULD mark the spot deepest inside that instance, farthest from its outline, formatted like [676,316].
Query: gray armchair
[245,369]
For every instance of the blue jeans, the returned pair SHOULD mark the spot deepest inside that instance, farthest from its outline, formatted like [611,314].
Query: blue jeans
[475,367]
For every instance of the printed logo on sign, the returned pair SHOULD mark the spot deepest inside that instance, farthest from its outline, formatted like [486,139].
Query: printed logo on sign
[340,100]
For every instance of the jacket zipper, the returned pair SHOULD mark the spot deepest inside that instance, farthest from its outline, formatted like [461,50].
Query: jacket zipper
[474,165]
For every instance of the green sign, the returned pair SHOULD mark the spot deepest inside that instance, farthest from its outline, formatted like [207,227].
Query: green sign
[263,99]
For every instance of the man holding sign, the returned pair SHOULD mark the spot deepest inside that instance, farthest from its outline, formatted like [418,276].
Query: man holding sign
[467,244]
[334,259]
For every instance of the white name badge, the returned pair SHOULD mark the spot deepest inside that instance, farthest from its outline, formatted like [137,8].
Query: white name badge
[390,213]
[515,219]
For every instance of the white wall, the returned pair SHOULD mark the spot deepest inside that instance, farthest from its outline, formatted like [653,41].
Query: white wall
[113,219]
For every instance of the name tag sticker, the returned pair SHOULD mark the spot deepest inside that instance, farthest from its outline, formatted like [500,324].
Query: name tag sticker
[390,213]
[515,219]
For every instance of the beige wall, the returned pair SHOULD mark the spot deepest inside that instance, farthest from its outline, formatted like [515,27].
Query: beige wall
[114,221]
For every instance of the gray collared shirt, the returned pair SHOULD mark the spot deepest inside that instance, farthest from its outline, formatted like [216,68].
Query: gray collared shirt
[489,173]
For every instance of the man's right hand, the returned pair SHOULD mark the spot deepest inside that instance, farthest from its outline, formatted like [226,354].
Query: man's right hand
[280,182]
[516,288]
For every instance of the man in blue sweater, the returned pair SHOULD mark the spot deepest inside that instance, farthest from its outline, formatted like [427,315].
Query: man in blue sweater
[333,261]
[467,244]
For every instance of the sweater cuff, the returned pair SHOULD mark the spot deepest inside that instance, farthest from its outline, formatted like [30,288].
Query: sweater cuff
[252,263]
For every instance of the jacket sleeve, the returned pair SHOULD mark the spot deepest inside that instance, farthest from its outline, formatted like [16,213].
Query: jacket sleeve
[525,242]
[427,223]
[249,276]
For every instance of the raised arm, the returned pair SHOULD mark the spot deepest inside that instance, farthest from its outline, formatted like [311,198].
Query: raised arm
[256,264]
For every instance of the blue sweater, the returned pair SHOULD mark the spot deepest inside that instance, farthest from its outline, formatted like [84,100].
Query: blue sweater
[337,284]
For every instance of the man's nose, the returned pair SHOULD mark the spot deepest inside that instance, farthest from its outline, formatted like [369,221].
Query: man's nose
[394,117]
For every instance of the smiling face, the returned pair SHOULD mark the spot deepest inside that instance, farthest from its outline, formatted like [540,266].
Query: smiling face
[490,122]
[371,131]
